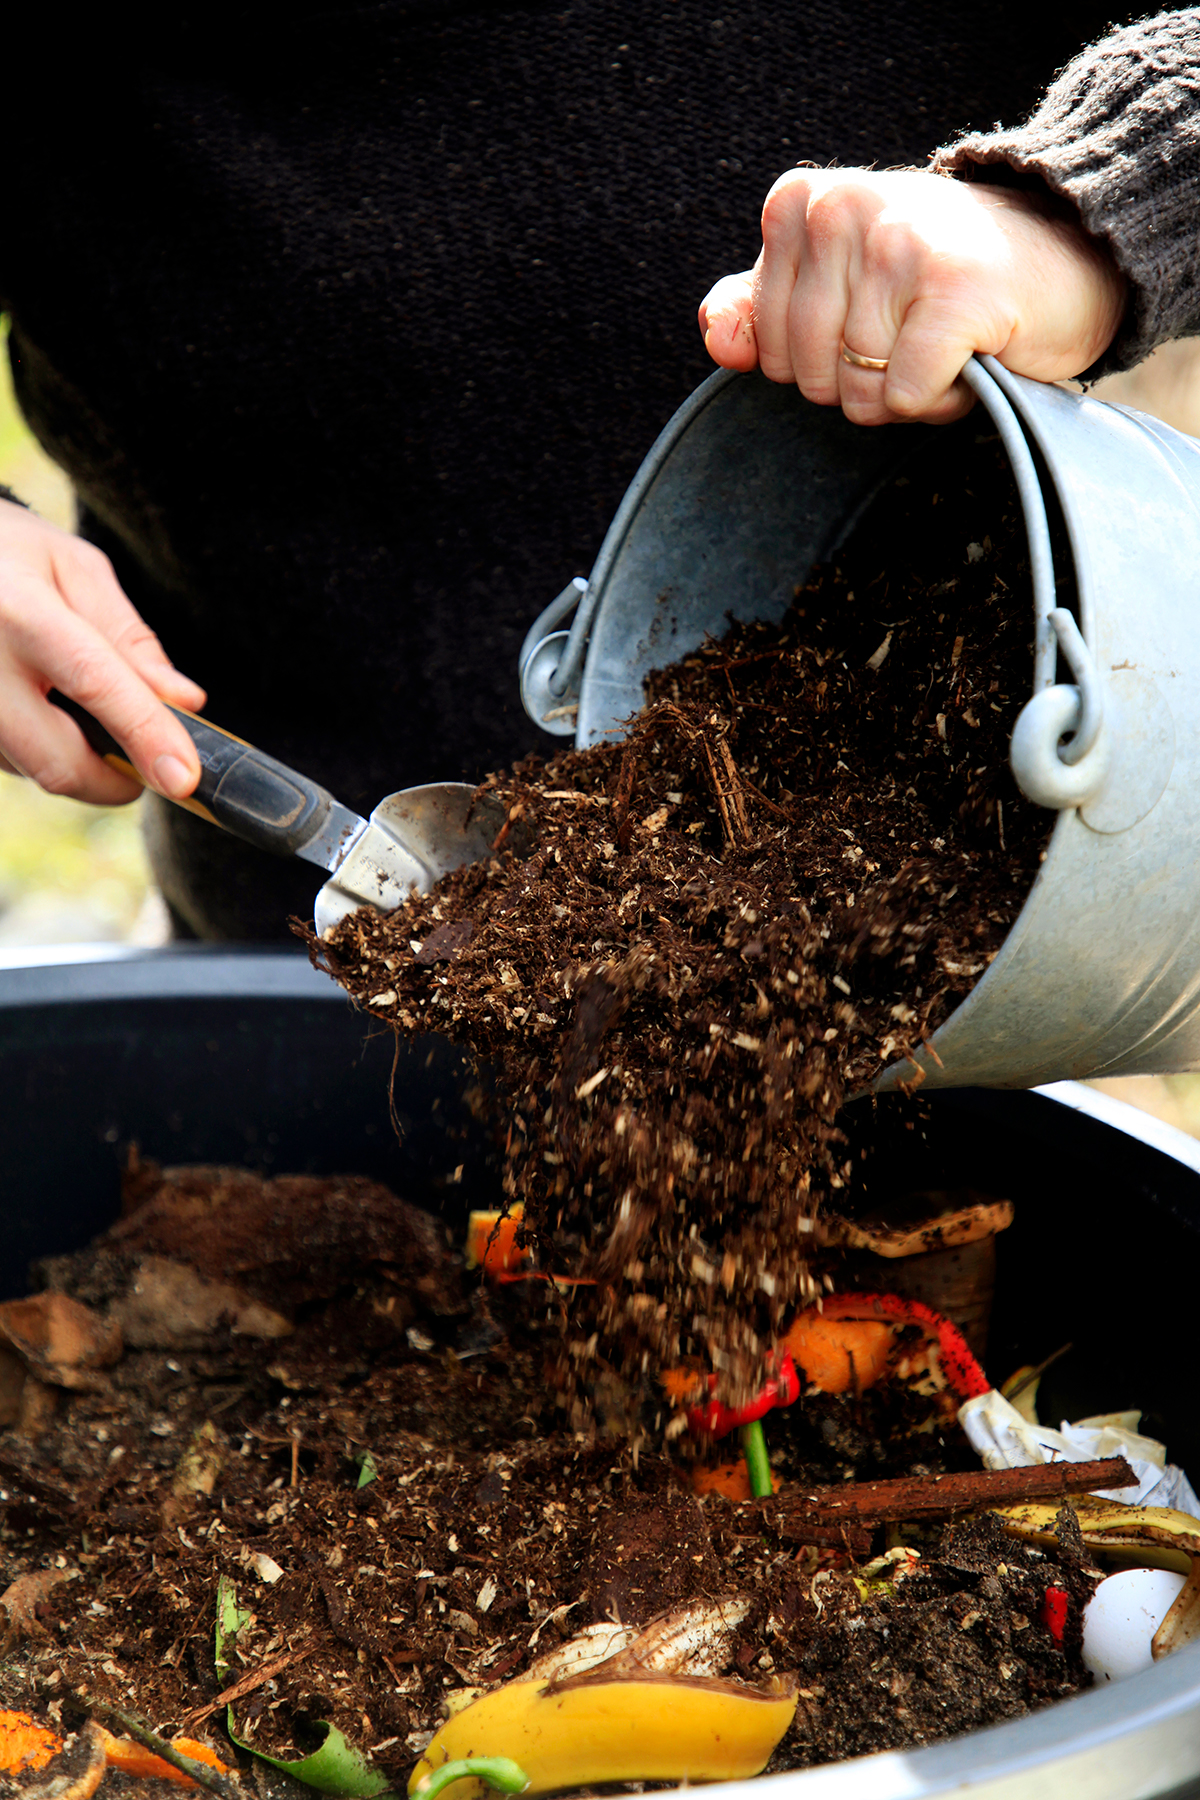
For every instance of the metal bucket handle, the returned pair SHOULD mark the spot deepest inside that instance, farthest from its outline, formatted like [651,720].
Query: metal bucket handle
[1050,772]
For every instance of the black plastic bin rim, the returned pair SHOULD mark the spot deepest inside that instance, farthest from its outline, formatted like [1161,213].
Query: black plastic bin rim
[1136,1739]
[70,973]
[77,974]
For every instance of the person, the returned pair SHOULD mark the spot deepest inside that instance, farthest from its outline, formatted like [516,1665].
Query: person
[351,326]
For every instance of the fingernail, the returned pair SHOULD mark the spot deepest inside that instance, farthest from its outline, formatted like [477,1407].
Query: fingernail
[172,777]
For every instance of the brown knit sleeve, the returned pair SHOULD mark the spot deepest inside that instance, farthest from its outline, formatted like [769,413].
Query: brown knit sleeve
[1118,136]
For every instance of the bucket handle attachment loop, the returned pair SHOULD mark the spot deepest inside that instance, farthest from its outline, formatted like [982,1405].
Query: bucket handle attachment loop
[549,672]
[1051,773]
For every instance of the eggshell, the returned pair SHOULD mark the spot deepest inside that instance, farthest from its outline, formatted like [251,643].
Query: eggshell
[1121,1618]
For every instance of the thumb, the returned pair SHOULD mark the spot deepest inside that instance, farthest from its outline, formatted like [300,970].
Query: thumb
[727,321]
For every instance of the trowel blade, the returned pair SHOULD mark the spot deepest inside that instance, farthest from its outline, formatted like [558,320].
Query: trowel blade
[410,841]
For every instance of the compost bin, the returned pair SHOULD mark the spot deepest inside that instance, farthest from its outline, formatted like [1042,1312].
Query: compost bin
[211,1055]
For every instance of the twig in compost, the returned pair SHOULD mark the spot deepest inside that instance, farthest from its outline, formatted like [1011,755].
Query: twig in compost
[1036,1374]
[225,1786]
[938,1496]
[723,775]
[245,1685]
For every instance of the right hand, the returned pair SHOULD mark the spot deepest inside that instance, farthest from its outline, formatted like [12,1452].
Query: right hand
[65,623]
[906,265]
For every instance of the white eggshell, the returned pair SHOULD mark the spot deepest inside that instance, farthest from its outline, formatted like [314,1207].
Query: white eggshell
[1121,1618]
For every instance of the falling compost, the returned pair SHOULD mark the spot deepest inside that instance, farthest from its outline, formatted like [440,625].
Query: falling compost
[690,946]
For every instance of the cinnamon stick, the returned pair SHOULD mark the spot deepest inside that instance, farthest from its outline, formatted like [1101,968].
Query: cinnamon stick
[936,1496]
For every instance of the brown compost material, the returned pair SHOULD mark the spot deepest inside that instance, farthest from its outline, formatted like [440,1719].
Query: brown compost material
[488,1533]
[690,946]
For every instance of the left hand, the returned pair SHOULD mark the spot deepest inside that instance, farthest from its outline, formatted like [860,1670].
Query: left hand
[918,269]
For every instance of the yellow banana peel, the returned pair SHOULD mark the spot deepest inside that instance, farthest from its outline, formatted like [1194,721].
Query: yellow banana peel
[1145,1537]
[585,1730]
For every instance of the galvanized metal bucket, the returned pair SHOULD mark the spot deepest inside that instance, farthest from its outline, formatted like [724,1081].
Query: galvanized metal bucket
[749,485]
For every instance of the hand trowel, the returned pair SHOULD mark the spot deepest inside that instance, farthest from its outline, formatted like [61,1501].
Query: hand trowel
[410,840]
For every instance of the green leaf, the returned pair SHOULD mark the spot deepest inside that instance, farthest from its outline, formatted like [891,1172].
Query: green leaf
[335,1768]
[367,1471]
[498,1771]
[231,1618]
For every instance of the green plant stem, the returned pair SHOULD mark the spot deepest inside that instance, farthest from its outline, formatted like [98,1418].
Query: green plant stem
[758,1464]
[498,1771]
[226,1786]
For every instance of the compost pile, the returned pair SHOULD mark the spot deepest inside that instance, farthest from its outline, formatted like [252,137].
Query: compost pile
[690,946]
[292,1392]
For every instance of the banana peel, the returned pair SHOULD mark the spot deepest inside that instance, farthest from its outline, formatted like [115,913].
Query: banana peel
[589,1729]
[1141,1537]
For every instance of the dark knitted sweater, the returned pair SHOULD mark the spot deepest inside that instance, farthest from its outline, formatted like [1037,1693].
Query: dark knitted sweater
[351,323]
[1118,135]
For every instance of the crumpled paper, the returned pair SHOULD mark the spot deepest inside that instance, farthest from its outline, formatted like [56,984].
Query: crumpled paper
[1006,1440]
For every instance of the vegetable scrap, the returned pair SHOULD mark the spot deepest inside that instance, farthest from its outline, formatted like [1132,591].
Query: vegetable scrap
[499,1772]
[26,1745]
[586,1729]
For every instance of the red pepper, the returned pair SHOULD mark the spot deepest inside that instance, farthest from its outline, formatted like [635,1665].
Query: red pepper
[1054,1612]
[779,1389]
[961,1369]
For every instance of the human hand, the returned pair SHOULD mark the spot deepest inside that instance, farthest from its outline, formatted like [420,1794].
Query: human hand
[918,269]
[64,623]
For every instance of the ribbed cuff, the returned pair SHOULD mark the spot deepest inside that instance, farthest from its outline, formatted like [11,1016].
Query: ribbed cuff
[1118,137]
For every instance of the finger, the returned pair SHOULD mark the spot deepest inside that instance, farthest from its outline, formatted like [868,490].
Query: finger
[777,271]
[869,333]
[47,747]
[824,283]
[86,579]
[937,339]
[726,319]
[56,647]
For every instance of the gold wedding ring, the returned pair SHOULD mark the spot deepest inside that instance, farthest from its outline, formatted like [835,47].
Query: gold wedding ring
[858,361]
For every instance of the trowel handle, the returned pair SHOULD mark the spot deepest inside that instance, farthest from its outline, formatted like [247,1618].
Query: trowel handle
[241,788]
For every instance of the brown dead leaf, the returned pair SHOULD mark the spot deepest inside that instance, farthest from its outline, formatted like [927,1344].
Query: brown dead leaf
[60,1340]
[21,1599]
[12,1380]
[168,1306]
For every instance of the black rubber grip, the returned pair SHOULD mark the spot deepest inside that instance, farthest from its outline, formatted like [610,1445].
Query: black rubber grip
[252,795]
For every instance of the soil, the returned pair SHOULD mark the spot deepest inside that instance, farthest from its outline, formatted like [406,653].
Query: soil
[488,1533]
[690,946]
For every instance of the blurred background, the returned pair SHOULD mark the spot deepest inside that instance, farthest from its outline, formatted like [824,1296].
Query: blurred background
[69,873]
[76,874]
